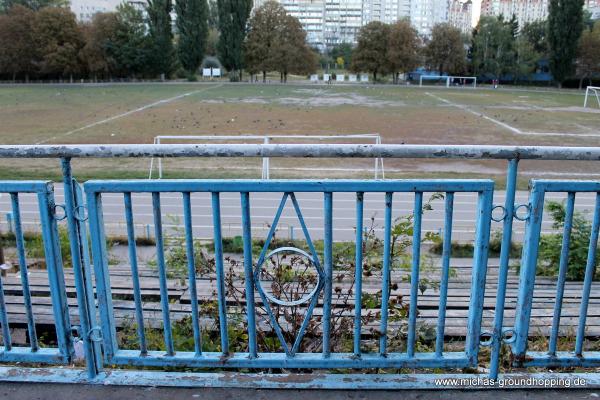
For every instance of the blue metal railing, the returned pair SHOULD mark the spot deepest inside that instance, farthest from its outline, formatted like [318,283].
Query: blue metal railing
[34,353]
[98,331]
[553,358]
[289,358]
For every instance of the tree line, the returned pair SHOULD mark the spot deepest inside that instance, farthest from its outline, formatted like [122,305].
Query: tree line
[49,43]
[41,39]
[568,40]
[497,48]
[397,48]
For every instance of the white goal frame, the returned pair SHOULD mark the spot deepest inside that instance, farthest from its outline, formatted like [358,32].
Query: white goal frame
[449,79]
[590,89]
[265,139]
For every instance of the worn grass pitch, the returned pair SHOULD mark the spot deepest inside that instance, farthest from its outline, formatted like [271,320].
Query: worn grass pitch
[135,113]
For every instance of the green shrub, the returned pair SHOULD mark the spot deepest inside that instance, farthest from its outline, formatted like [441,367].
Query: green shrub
[34,244]
[551,244]
[465,250]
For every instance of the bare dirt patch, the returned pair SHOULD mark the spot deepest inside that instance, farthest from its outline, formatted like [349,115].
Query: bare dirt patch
[315,98]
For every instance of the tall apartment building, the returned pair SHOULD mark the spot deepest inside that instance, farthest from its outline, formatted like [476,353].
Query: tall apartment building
[460,14]
[524,10]
[387,11]
[424,14]
[311,15]
[331,22]
[84,10]
[342,19]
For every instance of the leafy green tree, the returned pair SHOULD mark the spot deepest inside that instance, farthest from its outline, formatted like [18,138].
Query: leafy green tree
[536,34]
[526,59]
[404,45]
[291,53]
[513,24]
[212,42]
[492,47]
[259,47]
[343,50]
[213,15]
[129,45]
[192,26]
[370,54]
[565,24]
[17,42]
[233,18]
[588,54]
[551,244]
[59,40]
[161,34]
[35,5]
[94,54]
[277,42]
[446,51]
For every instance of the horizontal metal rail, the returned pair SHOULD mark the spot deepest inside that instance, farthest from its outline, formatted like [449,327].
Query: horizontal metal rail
[302,150]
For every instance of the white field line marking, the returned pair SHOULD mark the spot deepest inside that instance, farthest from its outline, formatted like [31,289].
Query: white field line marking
[509,127]
[125,114]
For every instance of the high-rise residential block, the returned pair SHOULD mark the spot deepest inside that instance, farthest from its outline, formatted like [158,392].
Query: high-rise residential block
[460,15]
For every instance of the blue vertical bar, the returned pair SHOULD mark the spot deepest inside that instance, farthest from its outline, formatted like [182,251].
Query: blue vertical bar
[55,273]
[6,340]
[162,274]
[446,254]
[249,273]
[87,265]
[328,269]
[590,268]
[509,207]
[78,267]
[137,294]
[102,276]
[221,293]
[480,259]
[191,259]
[9,222]
[414,275]
[562,272]
[358,272]
[24,272]
[528,267]
[385,283]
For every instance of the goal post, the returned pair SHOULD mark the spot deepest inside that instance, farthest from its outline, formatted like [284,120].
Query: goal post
[450,80]
[373,138]
[591,91]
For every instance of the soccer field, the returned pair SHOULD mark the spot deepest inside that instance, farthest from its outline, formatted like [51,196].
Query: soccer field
[136,113]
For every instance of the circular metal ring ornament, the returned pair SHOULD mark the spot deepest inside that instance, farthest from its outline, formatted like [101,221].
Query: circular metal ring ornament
[304,299]
[503,215]
[486,342]
[524,217]
[509,336]
[64,216]
[78,214]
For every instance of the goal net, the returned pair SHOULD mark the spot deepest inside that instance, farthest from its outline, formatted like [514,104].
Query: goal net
[372,138]
[448,81]
[592,92]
